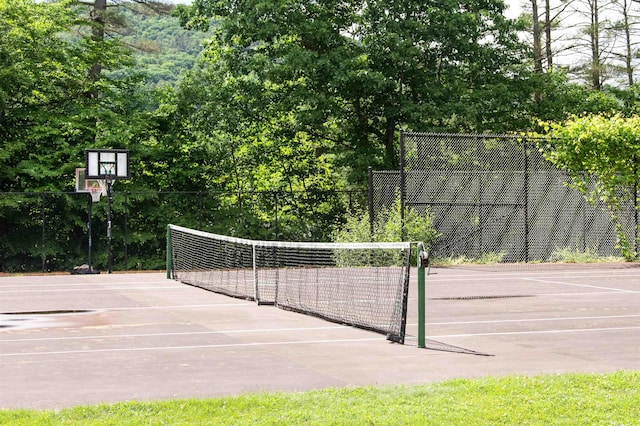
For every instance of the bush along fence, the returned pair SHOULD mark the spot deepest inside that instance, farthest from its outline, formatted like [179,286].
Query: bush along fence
[47,231]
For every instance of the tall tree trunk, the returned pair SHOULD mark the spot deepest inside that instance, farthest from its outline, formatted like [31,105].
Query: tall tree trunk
[596,65]
[537,38]
[97,14]
[547,30]
[627,38]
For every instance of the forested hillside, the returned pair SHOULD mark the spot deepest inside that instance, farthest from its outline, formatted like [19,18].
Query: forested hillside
[162,48]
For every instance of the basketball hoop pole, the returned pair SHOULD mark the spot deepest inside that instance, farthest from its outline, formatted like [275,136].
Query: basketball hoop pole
[109,251]
[89,206]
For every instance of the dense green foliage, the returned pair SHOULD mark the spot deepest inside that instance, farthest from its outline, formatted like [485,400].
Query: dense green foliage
[48,116]
[388,226]
[570,399]
[283,111]
[349,75]
[601,154]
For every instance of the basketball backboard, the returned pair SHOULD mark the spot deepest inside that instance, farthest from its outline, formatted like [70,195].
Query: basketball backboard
[112,164]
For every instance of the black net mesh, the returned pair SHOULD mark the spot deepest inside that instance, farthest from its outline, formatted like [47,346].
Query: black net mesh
[360,284]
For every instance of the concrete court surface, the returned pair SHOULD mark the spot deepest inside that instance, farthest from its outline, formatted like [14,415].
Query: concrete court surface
[68,340]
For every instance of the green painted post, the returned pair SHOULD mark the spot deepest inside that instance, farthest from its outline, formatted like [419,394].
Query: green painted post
[169,248]
[421,297]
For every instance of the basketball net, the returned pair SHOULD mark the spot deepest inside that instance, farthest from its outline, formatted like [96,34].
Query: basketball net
[96,188]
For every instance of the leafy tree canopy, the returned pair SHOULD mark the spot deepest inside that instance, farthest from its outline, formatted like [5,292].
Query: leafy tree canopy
[350,74]
[601,154]
[49,113]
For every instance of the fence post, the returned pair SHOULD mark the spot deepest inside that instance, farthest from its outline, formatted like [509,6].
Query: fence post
[200,208]
[168,254]
[402,186]
[526,200]
[370,201]
[635,206]
[277,223]
[43,222]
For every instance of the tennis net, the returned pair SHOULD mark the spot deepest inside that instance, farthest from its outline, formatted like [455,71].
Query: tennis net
[360,284]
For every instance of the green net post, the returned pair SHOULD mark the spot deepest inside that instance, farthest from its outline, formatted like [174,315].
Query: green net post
[423,260]
[169,248]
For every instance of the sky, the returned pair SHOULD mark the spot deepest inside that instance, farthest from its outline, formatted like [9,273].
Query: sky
[514,8]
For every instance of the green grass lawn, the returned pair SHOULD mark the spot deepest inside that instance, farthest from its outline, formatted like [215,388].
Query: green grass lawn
[571,399]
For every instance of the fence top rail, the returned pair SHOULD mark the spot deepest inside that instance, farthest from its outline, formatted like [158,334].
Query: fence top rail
[152,192]
[475,135]
[471,172]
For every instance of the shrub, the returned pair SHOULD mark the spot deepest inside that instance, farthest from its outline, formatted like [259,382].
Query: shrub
[387,227]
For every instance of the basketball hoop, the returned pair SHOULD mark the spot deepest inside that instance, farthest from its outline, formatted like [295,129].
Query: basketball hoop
[95,187]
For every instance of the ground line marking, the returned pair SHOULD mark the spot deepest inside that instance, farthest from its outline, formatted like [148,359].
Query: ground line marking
[512,333]
[503,276]
[59,290]
[578,285]
[185,333]
[529,320]
[165,348]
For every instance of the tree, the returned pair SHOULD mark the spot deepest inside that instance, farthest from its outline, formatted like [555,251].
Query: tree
[604,39]
[601,156]
[545,21]
[625,28]
[41,73]
[48,116]
[349,74]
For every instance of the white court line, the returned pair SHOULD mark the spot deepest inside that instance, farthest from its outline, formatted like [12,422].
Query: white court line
[53,283]
[513,333]
[31,286]
[101,288]
[529,320]
[578,285]
[586,293]
[209,305]
[184,333]
[218,346]
[500,276]
[90,311]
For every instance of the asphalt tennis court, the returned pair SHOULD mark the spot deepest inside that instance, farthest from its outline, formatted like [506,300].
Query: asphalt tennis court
[68,340]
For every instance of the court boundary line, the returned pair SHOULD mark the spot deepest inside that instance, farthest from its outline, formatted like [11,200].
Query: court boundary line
[549,319]
[503,276]
[191,347]
[559,331]
[143,308]
[178,333]
[302,342]
[100,288]
[539,280]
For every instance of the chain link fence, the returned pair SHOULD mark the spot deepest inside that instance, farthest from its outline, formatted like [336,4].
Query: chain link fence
[495,197]
[47,231]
